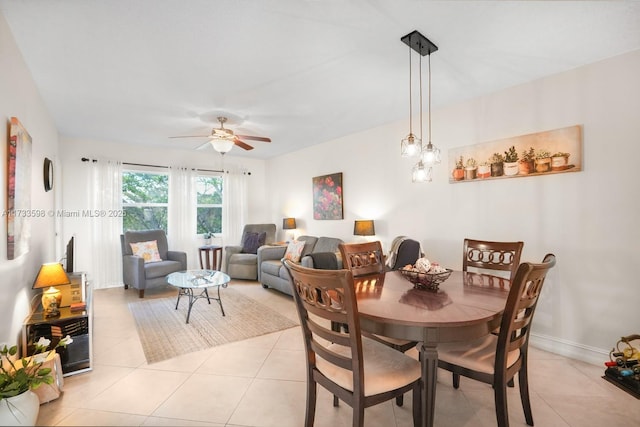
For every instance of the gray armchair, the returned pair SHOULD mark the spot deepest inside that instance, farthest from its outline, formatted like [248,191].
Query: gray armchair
[141,275]
[241,262]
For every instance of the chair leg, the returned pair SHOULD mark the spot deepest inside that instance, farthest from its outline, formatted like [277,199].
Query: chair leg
[399,400]
[358,415]
[524,394]
[417,404]
[141,293]
[336,402]
[502,415]
[510,383]
[456,380]
[311,404]
[126,286]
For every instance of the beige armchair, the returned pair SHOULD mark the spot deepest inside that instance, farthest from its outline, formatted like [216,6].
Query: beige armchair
[241,262]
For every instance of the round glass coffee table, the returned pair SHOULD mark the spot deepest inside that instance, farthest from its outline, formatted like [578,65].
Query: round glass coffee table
[190,281]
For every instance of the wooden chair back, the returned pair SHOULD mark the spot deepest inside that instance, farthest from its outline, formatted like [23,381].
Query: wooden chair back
[519,309]
[486,255]
[363,258]
[326,297]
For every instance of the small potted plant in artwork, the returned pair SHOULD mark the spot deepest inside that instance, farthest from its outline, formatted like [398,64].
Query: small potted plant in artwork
[484,169]
[511,162]
[497,164]
[543,161]
[458,172]
[526,165]
[471,168]
[559,161]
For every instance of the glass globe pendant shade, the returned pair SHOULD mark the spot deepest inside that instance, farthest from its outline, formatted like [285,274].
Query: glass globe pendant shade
[431,155]
[410,146]
[421,173]
[222,145]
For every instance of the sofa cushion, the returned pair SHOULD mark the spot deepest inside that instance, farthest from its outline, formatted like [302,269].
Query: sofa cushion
[148,251]
[327,244]
[247,259]
[309,243]
[271,266]
[251,241]
[161,269]
[294,250]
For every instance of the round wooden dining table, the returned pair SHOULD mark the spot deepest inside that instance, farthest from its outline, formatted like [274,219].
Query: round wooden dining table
[464,307]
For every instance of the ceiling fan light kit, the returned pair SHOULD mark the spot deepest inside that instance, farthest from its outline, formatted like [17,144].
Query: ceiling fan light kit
[222,139]
[411,145]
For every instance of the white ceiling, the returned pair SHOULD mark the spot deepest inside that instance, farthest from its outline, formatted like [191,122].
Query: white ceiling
[299,71]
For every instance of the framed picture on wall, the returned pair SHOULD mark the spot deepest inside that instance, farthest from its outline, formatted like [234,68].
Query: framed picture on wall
[327,196]
[18,190]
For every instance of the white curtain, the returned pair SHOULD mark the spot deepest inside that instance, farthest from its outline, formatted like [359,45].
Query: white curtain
[105,200]
[182,213]
[234,210]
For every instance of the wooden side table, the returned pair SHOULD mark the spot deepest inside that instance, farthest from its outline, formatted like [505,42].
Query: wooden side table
[209,256]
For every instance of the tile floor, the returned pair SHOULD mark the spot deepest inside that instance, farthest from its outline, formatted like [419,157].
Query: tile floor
[260,382]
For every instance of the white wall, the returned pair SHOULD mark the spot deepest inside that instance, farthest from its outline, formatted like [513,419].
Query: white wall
[19,97]
[76,184]
[588,219]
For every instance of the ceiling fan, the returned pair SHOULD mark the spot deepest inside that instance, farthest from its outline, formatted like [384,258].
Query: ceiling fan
[223,139]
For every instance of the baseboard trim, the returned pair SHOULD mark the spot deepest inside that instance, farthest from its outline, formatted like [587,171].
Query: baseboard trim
[585,353]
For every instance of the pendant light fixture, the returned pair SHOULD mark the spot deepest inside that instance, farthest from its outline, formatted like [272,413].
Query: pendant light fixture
[429,155]
[411,145]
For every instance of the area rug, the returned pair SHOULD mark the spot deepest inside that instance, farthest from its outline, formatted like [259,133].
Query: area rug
[164,333]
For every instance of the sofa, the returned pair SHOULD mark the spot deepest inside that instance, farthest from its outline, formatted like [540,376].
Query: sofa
[241,261]
[273,274]
[142,275]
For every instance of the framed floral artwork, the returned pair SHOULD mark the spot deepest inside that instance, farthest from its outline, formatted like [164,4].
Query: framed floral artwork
[327,196]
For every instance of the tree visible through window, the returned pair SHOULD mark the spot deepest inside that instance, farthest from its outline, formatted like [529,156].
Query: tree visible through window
[209,200]
[145,197]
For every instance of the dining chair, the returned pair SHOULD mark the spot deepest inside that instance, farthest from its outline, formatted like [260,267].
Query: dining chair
[496,360]
[355,369]
[485,255]
[367,258]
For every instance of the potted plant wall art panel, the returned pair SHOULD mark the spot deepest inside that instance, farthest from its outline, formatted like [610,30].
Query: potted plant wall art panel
[18,190]
[327,196]
[536,154]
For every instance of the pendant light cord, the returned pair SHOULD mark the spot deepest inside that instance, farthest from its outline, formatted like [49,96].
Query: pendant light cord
[410,98]
[429,57]
[420,70]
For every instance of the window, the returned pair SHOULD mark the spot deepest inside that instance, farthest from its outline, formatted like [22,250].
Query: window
[209,204]
[145,197]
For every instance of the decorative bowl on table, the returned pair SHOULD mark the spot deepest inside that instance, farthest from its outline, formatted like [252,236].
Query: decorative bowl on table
[422,280]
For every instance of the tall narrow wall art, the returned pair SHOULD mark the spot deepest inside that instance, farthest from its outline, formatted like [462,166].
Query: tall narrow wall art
[18,190]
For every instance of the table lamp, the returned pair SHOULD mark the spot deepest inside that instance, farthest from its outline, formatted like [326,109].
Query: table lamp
[50,275]
[289,224]
[364,227]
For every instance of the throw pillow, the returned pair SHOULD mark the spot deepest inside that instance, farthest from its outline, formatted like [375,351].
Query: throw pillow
[294,250]
[146,250]
[251,241]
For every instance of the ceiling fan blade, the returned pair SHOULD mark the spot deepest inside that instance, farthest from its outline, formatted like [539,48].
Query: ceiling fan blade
[203,146]
[255,138]
[190,136]
[242,144]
